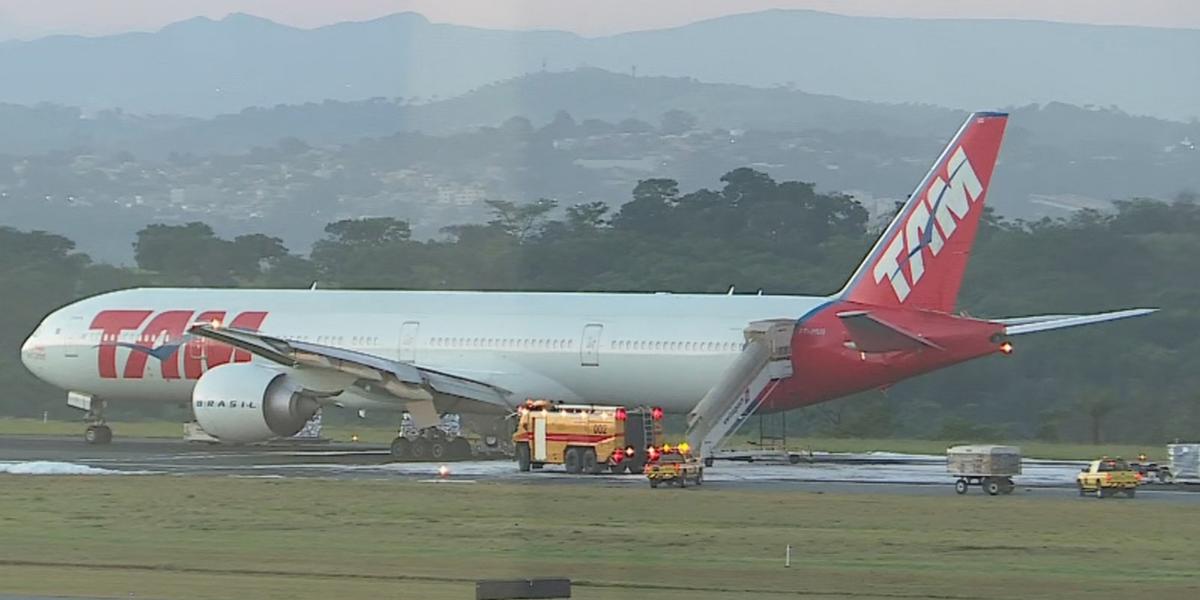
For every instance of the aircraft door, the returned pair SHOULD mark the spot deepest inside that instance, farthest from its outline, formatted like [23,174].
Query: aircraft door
[408,341]
[589,349]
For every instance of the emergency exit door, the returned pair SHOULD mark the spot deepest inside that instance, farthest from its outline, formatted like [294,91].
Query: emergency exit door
[408,341]
[589,350]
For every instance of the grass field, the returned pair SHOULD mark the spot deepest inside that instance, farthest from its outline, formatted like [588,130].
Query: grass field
[374,434]
[193,537]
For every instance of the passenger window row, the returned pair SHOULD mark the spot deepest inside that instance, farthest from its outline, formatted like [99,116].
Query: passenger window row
[503,343]
[667,346]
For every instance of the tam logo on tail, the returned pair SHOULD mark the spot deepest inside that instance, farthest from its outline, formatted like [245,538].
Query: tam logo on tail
[920,259]
[947,202]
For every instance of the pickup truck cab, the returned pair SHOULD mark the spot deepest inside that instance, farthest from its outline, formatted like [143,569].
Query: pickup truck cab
[1106,477]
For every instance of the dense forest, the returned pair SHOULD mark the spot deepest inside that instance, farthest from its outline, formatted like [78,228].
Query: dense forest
[1133,381]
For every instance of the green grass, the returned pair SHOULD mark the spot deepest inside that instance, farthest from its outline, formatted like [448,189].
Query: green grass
[370,433]
[195,537]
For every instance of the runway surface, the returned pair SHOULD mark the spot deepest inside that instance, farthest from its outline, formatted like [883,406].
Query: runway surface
[851,473]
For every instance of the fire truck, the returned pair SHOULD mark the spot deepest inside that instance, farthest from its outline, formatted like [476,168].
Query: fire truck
[585,438]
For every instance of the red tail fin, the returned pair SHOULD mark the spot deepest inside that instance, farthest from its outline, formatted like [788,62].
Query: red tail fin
[919,260]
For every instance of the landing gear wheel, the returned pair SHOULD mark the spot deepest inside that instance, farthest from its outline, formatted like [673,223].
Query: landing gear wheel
[460,449]
[523,458]
[437,450]
[419,450]
[587,462]
[960,486]
[572,461]
[401,448]
[992,487]
[97,434]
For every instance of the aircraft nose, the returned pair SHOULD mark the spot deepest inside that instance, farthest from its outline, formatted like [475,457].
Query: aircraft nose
[33,352]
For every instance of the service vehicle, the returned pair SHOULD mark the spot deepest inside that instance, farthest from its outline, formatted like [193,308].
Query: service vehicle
[1106,477]
[674,465]
[585,438]
[989,467]
[1151,472]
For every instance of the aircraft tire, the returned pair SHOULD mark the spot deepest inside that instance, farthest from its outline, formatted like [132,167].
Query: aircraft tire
[401,448]
[97,435]
[460,449]
[437,450]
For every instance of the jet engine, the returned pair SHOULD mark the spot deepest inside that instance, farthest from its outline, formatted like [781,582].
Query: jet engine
[245,403]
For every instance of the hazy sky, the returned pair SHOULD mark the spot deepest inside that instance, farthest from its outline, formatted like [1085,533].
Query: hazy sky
[27,19]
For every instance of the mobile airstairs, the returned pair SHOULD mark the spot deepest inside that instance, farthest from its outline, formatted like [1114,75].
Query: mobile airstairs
[765,361]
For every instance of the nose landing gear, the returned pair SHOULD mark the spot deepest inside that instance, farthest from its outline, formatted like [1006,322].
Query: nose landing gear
[97,431]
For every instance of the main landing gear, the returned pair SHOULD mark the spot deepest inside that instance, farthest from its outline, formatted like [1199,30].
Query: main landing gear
[439,442]
[430,444]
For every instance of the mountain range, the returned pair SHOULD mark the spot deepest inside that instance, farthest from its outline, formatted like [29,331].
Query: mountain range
[202,67]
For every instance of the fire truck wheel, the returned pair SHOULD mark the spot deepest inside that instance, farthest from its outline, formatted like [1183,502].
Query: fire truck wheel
[617,468]
[653,483]
[700,477]
[401,448]
[523,457]
[419,450]
[460,448]
[681,481]
[587,461]
[571,461]
[437,449]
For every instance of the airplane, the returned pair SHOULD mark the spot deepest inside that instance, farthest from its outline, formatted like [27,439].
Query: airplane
[256,364]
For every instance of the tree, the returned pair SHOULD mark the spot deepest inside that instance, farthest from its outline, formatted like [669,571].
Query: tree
[370,231]
[521,221]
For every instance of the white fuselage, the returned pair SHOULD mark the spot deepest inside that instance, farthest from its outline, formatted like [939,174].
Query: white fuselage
[661,349]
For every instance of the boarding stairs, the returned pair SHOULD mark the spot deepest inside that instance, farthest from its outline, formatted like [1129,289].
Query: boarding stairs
[765,361]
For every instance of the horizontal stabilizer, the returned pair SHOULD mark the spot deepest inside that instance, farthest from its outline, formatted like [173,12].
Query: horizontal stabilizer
[872,334]
[1022,325]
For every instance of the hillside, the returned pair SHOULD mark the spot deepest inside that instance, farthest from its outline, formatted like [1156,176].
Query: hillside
[202,67]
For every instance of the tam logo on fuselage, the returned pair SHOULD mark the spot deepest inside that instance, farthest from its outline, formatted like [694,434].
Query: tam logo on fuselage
[162,337]
[931,222]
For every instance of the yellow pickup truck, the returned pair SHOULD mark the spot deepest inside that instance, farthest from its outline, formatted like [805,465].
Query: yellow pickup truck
[1106,477]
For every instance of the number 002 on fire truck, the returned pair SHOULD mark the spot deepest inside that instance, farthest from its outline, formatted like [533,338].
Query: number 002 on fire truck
[585,438]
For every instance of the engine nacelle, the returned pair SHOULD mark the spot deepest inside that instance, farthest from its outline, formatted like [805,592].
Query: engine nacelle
[244,403]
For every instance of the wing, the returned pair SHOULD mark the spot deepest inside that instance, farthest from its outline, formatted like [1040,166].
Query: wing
[872,334]
[1022,325]
[338,369]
